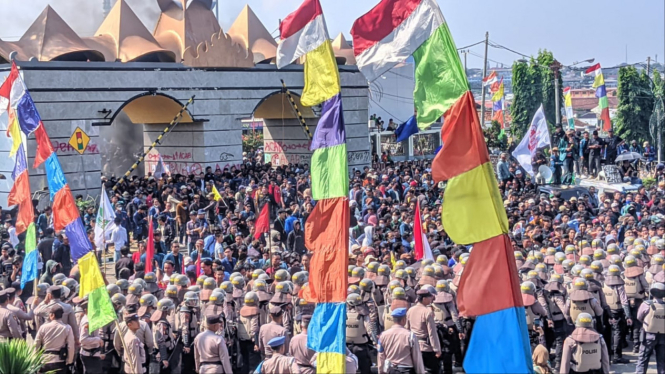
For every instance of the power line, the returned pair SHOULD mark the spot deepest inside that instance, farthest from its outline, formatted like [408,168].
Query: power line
[471,45]
[384,109]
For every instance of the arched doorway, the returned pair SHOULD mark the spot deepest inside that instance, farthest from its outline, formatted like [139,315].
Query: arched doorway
[284,140]
[135,125]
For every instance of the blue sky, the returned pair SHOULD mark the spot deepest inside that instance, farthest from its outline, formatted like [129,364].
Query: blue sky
[573,30]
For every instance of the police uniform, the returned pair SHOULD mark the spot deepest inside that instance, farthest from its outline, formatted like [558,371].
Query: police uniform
[248,332]
[187,322]
[164,339]
[555,294]
[134,356]
[210,352]
[619,310]
[278,363]
[652,315]
[269,331]
[584,351]
[9,326]
[420,320]
[56,338]
[91,348]
[68,317]
[399,350]
[636,287]
[298,349]
[357,332]
[448,325]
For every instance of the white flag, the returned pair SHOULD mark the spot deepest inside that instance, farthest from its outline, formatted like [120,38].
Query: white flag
[104,222]
[160,168]
[536,137]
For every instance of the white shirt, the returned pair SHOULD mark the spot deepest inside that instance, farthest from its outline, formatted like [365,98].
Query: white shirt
[13,239]
[118,238]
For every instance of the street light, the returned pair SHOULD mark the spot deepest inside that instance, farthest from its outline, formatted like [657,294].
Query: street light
[590,61]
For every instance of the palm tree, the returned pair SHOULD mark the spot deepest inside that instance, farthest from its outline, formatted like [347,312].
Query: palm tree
[17,357]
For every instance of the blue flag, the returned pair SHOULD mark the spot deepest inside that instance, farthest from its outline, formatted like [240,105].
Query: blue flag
[406,129]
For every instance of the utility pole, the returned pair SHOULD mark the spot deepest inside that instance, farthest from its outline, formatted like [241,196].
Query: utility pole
[649,66]
[555,66]
[482,101]
[465,52]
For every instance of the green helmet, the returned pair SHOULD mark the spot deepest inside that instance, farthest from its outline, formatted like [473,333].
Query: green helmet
[615,259]
[150,277]
[567,264]
[587,274]
[442,259]
[42,288]
[238,281]
[597,267]
[352,289]
[584,320]
[541,268]
[532,274]
[426,262]
[135,289]
[614,270]
[251,299]
[194,288]
[598,254]
[172,291]
[401,274]
[551,251]
[438,271]
[518,255]
[528,288]
[629,240]
[256,273]
[283,287]
[538,257]
[366,285]
[358,272]
[58,279]
[658,259]
[554,277]
[660,244]
[463,258]
[629,262]
[165,305]
[217,297]
[353,299]
[559,258]
[119,300]
[411,272]
[612,249]
[209,283]
[259,285]
[70,283]
[570,249]
[191,299]
[282,275]
[576,270]
[399,293]
[174,278]
[112,289]
[428,271]
[123,284]
[140,281]
[373,266]
[350,268]
[182,281]
[384,270]
[581,284]
[226,286]
[400,264]
[200,280]
[596,243]
[443,286]
[585,260]
[148,300]
[393,284]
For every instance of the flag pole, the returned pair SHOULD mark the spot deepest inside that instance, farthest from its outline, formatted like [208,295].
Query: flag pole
[122,339]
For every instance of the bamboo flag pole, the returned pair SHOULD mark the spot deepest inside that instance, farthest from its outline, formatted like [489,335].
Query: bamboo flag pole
[296,111]
[168,128]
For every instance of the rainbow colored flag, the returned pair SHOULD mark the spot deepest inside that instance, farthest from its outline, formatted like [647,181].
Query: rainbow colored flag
[497,102]
[304,34]
[601,94]
[472,211]
[568,104]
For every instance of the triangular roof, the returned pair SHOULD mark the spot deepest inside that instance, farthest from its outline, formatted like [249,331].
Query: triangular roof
[342,48]
[248,31]
[50,37]
[129,36]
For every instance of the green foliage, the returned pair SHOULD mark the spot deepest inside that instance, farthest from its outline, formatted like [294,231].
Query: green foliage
[533,84]
[17,357]
[252,140]
[494,137]
[636,102]
[648,182]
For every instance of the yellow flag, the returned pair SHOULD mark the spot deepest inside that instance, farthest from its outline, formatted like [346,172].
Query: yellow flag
[216,193]
[14,131]
[392,259]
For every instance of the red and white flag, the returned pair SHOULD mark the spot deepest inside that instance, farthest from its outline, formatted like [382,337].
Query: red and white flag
[262,222]
[422,246]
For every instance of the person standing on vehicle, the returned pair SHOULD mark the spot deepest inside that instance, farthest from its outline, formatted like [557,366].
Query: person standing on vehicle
[612,145]
[595,150]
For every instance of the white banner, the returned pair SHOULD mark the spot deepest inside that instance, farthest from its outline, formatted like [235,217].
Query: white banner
[536,137]
[104,222]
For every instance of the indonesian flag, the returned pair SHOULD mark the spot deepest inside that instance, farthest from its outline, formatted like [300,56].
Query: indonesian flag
[262,222]
[150,249]
[490,79]
[422,246]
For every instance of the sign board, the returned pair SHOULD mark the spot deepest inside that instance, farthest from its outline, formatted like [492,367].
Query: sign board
[79,140]
[612,174]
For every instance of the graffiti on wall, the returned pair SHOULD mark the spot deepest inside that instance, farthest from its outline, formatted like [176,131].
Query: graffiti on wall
[183,162]
[65,149]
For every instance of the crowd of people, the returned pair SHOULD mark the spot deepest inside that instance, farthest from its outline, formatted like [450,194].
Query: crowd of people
[592,269]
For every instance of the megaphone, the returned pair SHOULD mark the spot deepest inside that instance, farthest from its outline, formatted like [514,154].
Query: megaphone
[544,174]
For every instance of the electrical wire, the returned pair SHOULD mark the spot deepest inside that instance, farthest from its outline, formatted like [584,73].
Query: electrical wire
[384,109]
[471,45]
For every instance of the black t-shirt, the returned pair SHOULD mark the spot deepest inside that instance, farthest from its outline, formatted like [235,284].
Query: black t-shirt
[593,142]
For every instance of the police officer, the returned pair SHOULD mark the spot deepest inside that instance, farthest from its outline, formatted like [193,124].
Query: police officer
[619,311]
[53,298]
[188,326]
[91,343]
[151,281]
[270,330]
[134,355]
[399,350]
[420,320]
[447,323]
[581,300]
[652,315]
[134,293]
[248,329]
[298,348]
[143,333]
[9,327]
[56,338]
[555,293]
[123,284]
[19,312]
[636,286]
[210,352]
[367,295]
[535,313]
[164,336]
[279,363]
[357,331]
[584,351]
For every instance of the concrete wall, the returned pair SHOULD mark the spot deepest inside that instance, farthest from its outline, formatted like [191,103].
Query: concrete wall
[69,94]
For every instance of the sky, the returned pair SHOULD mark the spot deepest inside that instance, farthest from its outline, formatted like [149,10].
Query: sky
[573,30]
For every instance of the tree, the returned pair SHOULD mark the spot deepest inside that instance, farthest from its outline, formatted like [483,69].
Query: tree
[657,120]
[636,102]
[494,137]
[533,84]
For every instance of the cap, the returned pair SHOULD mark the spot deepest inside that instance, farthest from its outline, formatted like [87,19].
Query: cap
[399,312]
[275,310]
[131,317]
[201,211]
[277,342]
[212,319]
